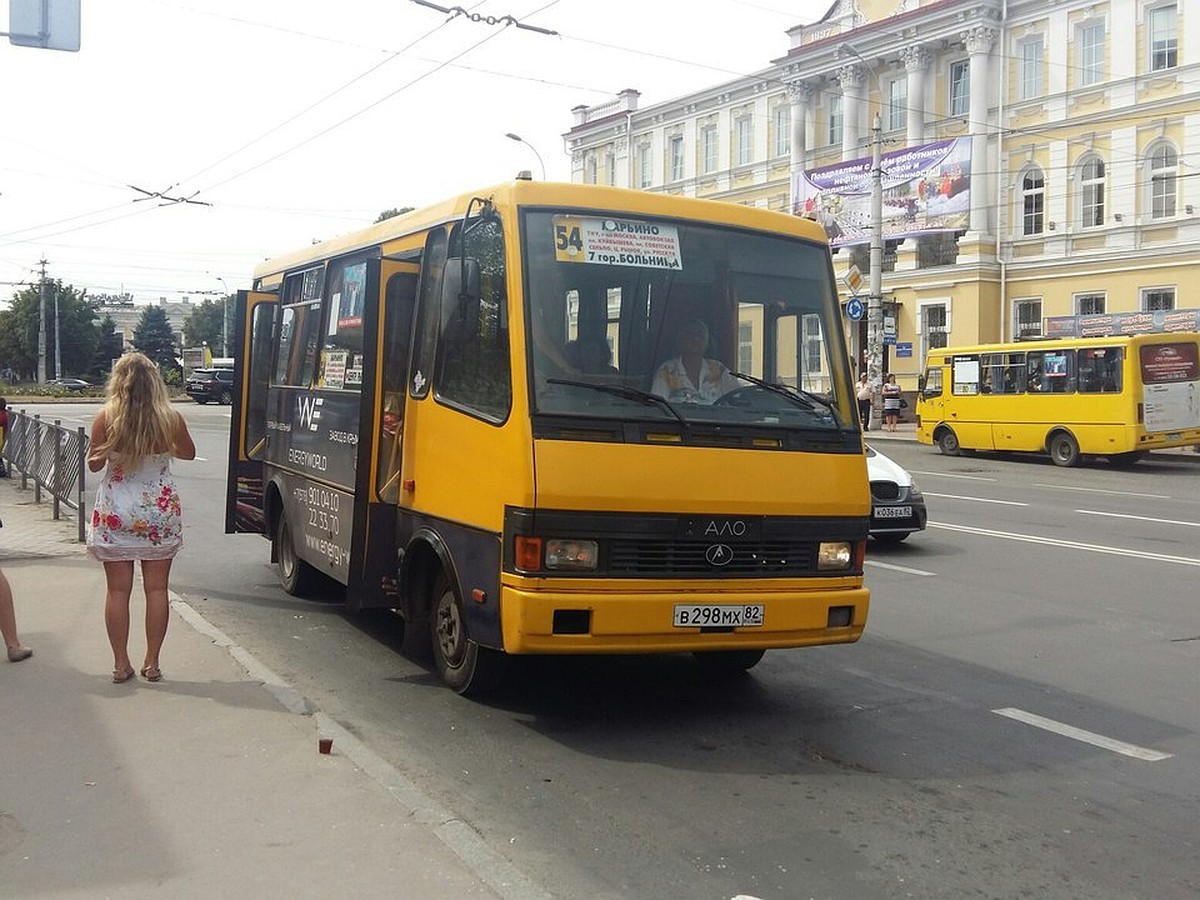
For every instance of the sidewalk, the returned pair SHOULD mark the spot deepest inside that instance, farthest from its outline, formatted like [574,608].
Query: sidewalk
[207,784]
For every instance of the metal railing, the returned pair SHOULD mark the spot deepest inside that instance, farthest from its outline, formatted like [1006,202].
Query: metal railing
[50,456]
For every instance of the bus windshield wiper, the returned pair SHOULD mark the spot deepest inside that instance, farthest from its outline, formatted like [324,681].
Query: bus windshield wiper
[626,392]
[797,395]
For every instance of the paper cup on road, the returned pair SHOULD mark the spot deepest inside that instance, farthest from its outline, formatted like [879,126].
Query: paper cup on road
[325,745]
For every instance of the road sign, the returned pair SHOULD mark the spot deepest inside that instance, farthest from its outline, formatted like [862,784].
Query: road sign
[854,309]
[853,278]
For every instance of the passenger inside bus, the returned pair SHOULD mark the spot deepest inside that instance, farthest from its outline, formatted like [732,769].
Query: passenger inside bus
[692,377]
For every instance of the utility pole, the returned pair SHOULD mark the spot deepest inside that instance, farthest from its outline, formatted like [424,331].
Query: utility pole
[42,328]
[58,372]
[875,298]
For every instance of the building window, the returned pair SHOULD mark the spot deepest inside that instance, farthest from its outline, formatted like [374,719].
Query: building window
[940,249]
[744,131]
[1090,304]
[675,155]
[935,328]
[1027,318]
[645,173]
[1091,192]
[960,87]
[1154,299]
[783,129]
[1164,162]
[1033,202]
[708,147]
[1090,46]
[610,169]
[590,176]
[745,346]
[835,119]
[1163,41]
[1029,84]
[897,104]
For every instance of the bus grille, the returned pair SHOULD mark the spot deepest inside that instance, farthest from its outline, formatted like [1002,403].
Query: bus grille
[649,557]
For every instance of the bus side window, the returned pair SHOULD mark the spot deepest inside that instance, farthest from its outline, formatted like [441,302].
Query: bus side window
[399,299]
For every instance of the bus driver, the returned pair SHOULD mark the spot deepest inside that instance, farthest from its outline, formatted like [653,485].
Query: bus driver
[691,377]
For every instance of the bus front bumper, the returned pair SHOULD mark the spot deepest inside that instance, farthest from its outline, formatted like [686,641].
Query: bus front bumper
[644,622]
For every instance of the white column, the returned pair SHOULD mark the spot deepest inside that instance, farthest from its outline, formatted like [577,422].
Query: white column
[979,41]
[916,64]
[800,95]
[851,78]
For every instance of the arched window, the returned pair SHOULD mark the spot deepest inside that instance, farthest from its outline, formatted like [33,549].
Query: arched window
[1091,192]
[1163,166]
[1033,201]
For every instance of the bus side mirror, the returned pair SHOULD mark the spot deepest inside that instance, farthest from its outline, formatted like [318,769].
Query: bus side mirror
[460,285]
[921,383]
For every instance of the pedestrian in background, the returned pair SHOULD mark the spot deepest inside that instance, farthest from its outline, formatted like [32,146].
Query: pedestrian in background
[8,624]
[891,403]
[137,516]
[864,394]
[3,435]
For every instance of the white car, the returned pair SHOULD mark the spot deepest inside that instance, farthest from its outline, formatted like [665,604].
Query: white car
[897,506]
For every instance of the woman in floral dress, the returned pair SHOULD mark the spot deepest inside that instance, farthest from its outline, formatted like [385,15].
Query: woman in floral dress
[137,516]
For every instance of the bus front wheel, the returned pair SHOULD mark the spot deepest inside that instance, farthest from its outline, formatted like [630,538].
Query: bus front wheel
[1063,449]
[948,442]
[466,667]
[296,576]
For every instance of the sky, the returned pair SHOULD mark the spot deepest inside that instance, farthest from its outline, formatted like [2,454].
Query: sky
[188,140]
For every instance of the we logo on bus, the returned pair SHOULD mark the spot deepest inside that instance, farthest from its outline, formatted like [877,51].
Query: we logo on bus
[308,412]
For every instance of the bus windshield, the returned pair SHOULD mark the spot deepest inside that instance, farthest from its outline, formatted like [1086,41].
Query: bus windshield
[667,320]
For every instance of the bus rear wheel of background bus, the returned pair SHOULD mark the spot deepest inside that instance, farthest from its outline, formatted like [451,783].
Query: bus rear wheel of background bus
[471,670]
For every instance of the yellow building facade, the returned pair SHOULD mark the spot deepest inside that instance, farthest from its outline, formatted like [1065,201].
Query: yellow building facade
[1082,121]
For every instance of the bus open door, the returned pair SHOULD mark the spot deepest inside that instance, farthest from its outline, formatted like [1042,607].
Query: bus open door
[254,320]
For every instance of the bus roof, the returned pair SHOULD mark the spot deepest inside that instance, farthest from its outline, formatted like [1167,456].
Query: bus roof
[540,193]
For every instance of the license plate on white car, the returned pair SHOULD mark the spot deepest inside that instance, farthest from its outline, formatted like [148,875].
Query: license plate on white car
[718,615]
[893,512]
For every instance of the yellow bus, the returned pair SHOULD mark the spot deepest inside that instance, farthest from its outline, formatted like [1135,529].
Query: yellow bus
[472,414]
[1115,397]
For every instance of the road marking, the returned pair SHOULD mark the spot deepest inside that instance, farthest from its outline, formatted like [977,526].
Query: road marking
[1070,545]
[1096,512]
[1063,487]
[948,475]
[1088,737]
[974,499]
[905,569]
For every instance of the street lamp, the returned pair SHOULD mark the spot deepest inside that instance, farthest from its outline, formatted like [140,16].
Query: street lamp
[224,317]
[875,295]
[521,140]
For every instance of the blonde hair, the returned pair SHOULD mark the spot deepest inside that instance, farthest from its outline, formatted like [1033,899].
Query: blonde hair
[138,417]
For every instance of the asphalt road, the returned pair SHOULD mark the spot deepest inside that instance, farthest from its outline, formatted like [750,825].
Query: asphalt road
[1020,719]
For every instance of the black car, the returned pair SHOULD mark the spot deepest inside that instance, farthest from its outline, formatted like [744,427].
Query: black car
[211,384]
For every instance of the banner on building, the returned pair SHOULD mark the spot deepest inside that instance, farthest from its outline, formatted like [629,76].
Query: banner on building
[925,189]
[1154,322]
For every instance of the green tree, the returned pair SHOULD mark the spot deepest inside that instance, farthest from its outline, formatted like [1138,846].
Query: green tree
[389,213]
[110,345]
[19,327]
[153,336]
[205,325]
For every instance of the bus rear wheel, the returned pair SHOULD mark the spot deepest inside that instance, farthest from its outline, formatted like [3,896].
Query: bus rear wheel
[296,576]
[1063,449]
[467,668]
[948,442]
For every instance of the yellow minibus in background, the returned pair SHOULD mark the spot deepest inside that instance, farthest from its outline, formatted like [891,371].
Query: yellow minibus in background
[479,414]
[1115,397]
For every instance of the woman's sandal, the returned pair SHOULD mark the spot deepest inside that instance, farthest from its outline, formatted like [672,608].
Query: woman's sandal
[151,673]
[122,677]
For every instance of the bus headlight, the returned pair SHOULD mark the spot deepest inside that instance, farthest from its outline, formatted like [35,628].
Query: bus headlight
[834,555]
[577,556]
